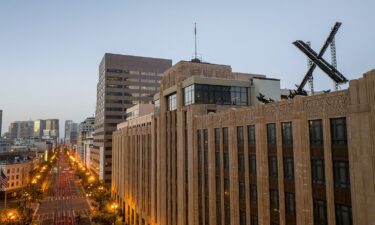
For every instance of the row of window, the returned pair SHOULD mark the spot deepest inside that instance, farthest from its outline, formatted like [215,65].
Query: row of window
[214,94]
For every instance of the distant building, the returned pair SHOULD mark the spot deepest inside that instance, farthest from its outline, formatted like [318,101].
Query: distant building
[17,166]
[39,126]
[21,129]
[71,130]
[1,121]
[85,141]
[124,81]
[5,144]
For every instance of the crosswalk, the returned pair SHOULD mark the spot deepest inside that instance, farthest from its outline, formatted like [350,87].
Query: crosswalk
[61,214]
[55,198]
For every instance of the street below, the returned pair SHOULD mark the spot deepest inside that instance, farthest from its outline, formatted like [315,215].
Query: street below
[64,199]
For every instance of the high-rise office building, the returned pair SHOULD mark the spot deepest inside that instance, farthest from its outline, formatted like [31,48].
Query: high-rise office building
[71,130]
[123,82]
[209,156]
[39,126]
[21,129]
[1,120]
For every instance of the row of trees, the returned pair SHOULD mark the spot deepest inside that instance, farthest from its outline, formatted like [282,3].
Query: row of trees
[104,210]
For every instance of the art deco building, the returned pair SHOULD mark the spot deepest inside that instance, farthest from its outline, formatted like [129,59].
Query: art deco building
[210,155]
[123,82]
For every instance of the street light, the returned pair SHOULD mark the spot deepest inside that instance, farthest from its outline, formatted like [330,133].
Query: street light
[114,207]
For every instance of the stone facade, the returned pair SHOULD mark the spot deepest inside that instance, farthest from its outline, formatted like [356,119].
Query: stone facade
[279,163]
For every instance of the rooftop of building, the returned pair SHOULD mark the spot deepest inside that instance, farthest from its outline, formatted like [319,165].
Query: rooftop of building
[16,157]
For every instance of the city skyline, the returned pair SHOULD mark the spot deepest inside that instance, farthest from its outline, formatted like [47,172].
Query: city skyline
[63,46]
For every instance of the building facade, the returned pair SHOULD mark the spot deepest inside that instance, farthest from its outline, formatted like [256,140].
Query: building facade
[39,126]
[21,129]
[123,82]
[71,132]
[308,160]
[17,168]
[85,140]
[1,121]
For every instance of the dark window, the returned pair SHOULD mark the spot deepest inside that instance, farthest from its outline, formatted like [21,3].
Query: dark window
[226,161]
[251,134]
[341,174]
[241,188]
[240,135]
[287,134]
[290,204]
[271,134]
[288,168]
[226,187]
[253,165]
[241,163]
[272,166]
[316,132]
[225,137]
[317,170]
[320,212]
[274,200]
[242,218]
[254,220]
[217,160]
[253,194]
[343,215]
[222,95]
[338,131]
[217,137]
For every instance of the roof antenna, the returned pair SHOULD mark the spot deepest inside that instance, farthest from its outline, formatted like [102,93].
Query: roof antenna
[195,57]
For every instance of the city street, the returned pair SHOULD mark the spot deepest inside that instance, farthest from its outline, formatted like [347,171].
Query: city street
[64,199]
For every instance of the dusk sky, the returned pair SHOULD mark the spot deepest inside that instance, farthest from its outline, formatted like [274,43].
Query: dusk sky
[50,50]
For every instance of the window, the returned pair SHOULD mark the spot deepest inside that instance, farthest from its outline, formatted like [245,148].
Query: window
[157,106]
[226,161]
[221,95]
[274,200]
[338,131]
[288,168]
[271,134]
[226,188]
[241,188]
[272,166]
[217,138]
[251,134]
[189,95]
[217,160]
[225,138]
[343,215]
[290,204]
[241,162]
[172,104]
[316,132]
[239,136]
[341,174]
[253,165]
[320,212]
[253,194]
[242,218]
[317,170]
[287,134]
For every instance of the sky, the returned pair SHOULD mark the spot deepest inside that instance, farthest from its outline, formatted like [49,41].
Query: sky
[50,50]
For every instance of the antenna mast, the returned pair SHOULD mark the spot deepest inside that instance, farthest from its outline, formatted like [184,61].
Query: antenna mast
[195,57]
[195,40]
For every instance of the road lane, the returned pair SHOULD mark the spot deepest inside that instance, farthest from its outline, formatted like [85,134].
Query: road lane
[64,198]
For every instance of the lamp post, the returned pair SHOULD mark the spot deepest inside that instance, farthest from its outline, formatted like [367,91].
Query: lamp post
[114,207]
